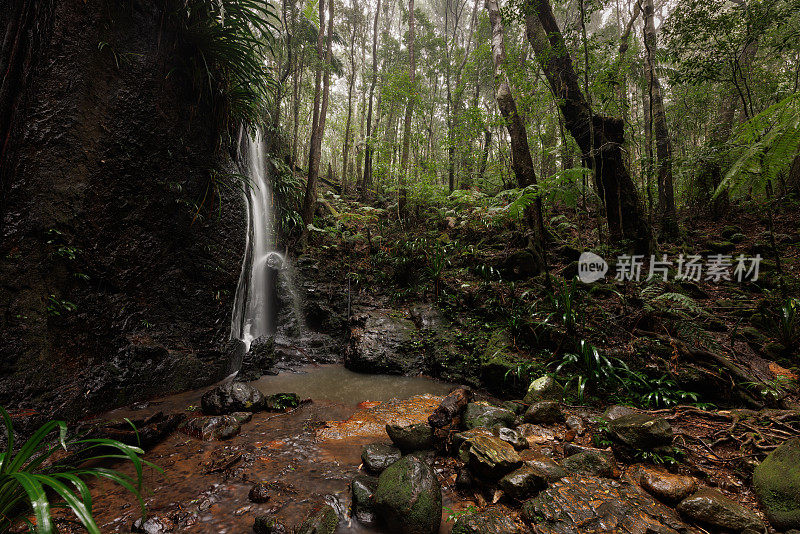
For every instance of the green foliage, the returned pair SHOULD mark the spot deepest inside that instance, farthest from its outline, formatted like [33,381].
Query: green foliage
[566,306]
[587,366]
[762,149]
[32,475]
[57,306]
[663,392]
[785,322]
[227,42]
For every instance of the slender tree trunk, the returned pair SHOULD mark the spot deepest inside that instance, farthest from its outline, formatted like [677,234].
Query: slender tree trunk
[368,149]
[402,193]
[487,143]
[600,138]
[350,87]
[318,124]
[666,191]
[520,151]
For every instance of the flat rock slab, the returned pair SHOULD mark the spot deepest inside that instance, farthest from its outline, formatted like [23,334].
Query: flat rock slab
[591,505]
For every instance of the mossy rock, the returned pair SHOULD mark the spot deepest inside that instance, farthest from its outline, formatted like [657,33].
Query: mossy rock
[408,499]
[721,247]
[322,520]
[479,414]
[777,483]
[729,231]
[737,238]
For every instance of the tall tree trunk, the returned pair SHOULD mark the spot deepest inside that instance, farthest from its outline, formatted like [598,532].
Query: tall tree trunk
[600,138]
[367,176]
[318,124]
[520,151]
[402,193]
[350,87]
[666,191]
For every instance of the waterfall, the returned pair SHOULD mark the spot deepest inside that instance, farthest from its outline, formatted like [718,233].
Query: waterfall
[255,305]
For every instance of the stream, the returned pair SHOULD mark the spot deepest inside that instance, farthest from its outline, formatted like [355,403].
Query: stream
[306,456]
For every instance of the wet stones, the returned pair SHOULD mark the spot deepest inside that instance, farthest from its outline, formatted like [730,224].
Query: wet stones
[412,437]
[259,493]
[280,402]
[320,520]
[231,397]
[583,504]
[378,456]
[217,427]
[712,508]
[777,484]
[363,487]
[641,431]
[522,483]
[590,462]
[544,412]
[491,520]
[491,457]
[511,436]
[666,486]
[485,415]
[408,498]
[153,525]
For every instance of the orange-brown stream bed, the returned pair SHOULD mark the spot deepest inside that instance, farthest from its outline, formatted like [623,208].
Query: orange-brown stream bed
[307,456]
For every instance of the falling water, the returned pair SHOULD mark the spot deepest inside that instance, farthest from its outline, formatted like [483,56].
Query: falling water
[255,305]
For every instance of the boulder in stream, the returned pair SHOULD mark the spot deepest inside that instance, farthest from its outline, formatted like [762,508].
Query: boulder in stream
[378,456]
[412,437]
[231,397]
[363,487]
[485,415]
[408,498]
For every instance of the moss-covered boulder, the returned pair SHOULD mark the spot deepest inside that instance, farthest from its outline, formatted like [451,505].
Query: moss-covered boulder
[777,483]
[279,402]
[321,520]
[363,487]
[543,388]
[408,499]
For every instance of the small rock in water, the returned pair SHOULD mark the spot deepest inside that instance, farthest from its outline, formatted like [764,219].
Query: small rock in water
[712,508]
[544,412]
[214,427]
[363,487]
[268,524]
[259,493]
[153,525]
[379,456]
[411,438]
[231,397]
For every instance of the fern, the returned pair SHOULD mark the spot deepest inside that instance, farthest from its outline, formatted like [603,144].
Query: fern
[763,147]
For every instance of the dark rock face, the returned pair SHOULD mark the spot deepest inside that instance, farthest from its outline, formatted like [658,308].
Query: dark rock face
[113,291]
[382,342]
[378,456]
[408,498]
[268,524]
[363,487]
[232,397]
[257,361]
[593,505]
[215,427]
